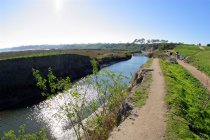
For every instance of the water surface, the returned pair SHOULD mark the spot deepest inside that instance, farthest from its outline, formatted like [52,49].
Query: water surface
[43,114]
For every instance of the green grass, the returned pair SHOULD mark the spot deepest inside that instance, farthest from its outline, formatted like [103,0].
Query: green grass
[188,103]
[196,56]
[22,135]
[141,92]
[35,55]
[110,56]
[148,64]
[201,61]
[187,50]
[99,55]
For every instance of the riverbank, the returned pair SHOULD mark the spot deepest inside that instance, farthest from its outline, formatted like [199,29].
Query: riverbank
[147,120]
[18,86]
[186,103]
[43,114]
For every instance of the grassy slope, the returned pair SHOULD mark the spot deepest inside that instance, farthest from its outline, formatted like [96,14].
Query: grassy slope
[98,54]
[196,56]
[102,46]
[187,50]
[141,92]
[188,104]
[92,50]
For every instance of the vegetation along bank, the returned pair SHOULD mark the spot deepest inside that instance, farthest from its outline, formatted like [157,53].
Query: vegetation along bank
[18,86]
[188,104]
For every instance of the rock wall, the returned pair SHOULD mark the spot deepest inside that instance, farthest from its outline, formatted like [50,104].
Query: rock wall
[18,86]
[107,61]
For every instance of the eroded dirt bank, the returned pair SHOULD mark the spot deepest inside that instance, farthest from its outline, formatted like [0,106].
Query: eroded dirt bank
[149,123]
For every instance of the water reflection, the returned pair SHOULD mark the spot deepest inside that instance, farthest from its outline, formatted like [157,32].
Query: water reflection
[50,114]
[53,112]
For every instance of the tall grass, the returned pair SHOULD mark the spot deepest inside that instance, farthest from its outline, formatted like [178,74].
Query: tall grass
[201,61]
[196,56]
[22,135]
[188,102]
[187,50]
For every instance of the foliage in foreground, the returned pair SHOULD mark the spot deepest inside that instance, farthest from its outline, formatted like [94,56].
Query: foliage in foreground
[51,85]
[189,106]
[110,92]
[22,135]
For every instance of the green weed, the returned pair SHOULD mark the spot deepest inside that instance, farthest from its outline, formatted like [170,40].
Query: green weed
[141,92]
[196,56]
[188,102]
[22,135]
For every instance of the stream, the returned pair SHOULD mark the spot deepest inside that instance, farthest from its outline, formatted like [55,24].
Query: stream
[45,114]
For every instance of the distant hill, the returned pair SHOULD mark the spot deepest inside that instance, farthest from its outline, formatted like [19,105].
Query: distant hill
[127,46]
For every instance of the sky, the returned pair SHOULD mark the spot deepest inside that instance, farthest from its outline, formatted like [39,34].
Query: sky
[35,22]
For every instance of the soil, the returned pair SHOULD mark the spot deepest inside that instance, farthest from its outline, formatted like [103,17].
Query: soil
[148,122]
[202,77]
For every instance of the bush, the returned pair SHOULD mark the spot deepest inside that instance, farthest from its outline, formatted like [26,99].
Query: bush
[172,61]
[111,94]
[168,46]
[10,135]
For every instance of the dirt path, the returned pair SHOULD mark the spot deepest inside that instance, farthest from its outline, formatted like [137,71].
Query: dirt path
[202,48]
[203,78]
[149,123]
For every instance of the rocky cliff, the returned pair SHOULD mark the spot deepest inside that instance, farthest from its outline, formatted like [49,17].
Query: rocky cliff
[18,86]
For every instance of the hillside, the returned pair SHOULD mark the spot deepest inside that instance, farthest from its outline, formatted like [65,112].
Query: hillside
[117,46]
[198,56]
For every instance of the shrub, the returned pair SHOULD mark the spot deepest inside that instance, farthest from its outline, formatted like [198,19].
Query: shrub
[167,46]
[10,135]
[111,94]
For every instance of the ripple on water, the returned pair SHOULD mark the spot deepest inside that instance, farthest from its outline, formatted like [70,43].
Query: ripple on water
[50,115]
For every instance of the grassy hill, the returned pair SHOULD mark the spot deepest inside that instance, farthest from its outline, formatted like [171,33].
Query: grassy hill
[98,54]
[103,46]
[187,100]
[197,56]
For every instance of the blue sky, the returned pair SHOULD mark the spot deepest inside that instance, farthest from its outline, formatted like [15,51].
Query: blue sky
[27,22]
